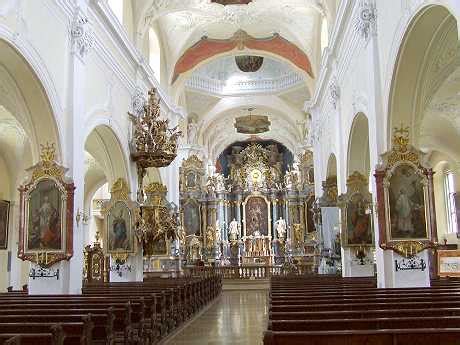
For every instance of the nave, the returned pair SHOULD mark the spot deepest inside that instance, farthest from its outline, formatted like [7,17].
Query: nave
[235,318]
[155,152]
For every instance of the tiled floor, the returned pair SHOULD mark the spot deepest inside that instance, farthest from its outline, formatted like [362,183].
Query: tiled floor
[237,318]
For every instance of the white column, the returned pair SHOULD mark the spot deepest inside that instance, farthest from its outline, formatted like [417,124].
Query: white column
[81,42]
[15,277]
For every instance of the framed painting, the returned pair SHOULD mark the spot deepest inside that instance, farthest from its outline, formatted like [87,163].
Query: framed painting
[46,213]
[449,263]
[4,222]
[45,225]
[309,214]
[119,219]
[356,215]
[191,217]
[405,197]
[256,216]
[457,211]
[120,236]
[191,174]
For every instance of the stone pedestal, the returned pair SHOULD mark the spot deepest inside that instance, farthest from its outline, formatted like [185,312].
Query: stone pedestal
[400,278]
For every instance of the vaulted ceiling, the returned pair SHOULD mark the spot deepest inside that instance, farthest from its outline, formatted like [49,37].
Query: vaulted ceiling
[213,89]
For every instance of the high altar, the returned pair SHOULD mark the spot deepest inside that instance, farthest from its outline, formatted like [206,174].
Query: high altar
[255,209]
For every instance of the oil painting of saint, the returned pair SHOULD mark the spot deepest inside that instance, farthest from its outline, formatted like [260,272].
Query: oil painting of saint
[359,223]
[191,180]
[44,217]
[309,215]
[192,224]
[4,212]
[256,216]
[407,204]
[119,228]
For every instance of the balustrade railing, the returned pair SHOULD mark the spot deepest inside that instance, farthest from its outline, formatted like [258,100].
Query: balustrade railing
[221,87]
[249,272]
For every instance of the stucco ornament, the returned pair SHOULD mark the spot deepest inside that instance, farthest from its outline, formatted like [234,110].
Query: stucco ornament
[81,34]
[367,18]
[138,101]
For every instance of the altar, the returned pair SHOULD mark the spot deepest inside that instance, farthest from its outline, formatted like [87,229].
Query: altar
[254,209]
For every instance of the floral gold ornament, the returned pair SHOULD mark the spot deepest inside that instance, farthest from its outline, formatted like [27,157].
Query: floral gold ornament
[158,226]
[46,212]
[405,198]
[154,144]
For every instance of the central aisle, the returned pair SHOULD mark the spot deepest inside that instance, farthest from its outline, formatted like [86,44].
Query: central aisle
[237,318]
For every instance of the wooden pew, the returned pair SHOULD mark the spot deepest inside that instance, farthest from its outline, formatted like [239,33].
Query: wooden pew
[346,311]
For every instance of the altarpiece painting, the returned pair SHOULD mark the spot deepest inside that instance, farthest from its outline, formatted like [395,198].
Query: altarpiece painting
[120,215]
[46,213]
[191,217]
[355,205]
[4,220]
[256,216]
[405,198]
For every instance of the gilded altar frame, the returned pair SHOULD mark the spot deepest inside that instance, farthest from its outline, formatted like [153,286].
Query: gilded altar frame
[51,175]
[357,199]
[128,213]
[269,217]
[191,175]
[404,156]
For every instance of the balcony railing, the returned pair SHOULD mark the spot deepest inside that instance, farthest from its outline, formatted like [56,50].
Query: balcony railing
[220,87]
[250,272]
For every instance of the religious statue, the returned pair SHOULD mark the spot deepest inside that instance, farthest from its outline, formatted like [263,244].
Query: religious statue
[195,248]
[218,235]
[192,131]
[298,235]
[211,184]
[181,236]
[220,183]
[234,230]
[280,227]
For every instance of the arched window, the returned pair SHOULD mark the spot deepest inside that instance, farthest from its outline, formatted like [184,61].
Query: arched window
[154,54]
[117,7]
[324,34]
[449,187]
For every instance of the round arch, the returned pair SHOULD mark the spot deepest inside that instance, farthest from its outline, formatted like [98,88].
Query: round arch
[28,117]
[411,83]
[28,100]
[358,158]
[103,144]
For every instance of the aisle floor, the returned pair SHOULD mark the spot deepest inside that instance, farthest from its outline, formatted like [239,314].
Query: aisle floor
[237,318]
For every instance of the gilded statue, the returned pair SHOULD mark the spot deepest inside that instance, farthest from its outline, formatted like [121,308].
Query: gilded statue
[298,233]
[210,236]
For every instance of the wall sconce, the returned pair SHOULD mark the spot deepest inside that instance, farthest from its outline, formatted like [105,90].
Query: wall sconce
[41,272]
[81,216]
[361,254]
[120,266]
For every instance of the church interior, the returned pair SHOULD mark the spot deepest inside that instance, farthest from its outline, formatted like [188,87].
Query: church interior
[277,172]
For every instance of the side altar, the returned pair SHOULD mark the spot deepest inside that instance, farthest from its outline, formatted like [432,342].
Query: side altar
[256,208]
